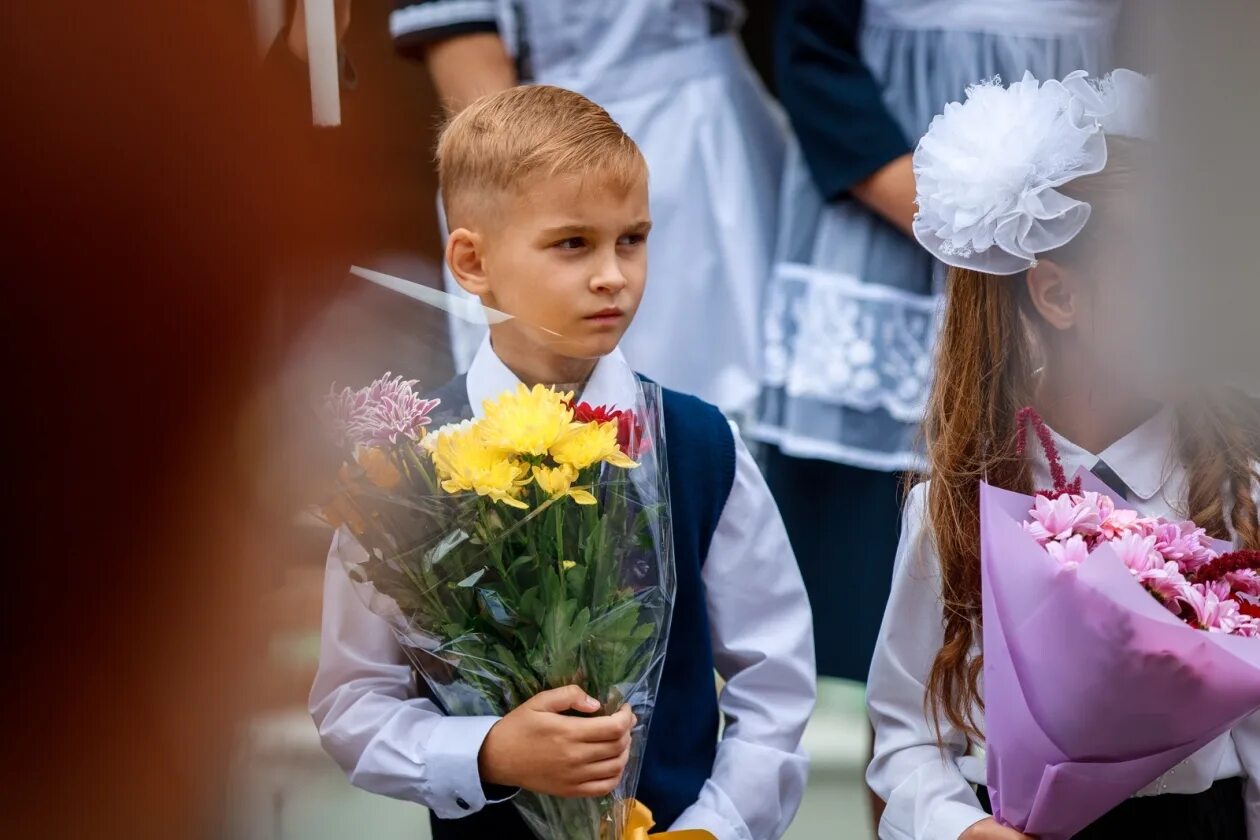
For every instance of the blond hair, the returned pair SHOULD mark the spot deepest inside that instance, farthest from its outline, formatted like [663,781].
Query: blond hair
[502,141]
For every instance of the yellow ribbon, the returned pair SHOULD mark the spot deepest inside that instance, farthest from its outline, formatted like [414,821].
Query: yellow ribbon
[639,821]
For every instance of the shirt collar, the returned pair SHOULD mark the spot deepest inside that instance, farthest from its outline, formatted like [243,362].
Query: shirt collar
[612,383]
[1144,458]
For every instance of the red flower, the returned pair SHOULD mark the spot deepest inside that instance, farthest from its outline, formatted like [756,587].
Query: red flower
[1235,561]
[631,436]
[587,413]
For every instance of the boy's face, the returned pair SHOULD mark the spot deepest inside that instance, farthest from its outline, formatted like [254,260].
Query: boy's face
[568,260]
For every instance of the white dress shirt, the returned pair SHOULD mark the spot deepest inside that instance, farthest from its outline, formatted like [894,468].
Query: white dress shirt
[930,795]
[392,742]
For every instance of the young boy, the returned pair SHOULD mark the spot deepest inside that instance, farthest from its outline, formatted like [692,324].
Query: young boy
[548,203]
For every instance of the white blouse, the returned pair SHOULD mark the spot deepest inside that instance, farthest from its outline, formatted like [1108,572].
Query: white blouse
[392,742]
[930,794]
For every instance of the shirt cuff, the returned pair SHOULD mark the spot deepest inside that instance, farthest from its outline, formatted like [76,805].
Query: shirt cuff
[951,819]
[724,825]
[455,781]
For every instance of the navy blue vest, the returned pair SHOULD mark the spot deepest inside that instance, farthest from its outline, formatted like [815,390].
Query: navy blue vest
[682,741]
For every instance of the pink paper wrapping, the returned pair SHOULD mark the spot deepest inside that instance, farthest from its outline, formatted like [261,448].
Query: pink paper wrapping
[1092,689]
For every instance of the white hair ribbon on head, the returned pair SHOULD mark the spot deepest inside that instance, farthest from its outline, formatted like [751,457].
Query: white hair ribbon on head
[988,169]
[1122,101]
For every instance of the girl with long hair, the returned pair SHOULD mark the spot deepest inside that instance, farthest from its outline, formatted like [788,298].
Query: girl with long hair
[1030,193]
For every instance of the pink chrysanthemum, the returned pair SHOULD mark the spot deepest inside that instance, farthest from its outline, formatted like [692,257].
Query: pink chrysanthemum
[1138,553]
[1059,518]
[343,409]
[1184,543]
[393,410]
[379,414]
[1212,608]
[1071,552]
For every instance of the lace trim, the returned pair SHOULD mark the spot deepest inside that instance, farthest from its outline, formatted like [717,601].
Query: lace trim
[833,338]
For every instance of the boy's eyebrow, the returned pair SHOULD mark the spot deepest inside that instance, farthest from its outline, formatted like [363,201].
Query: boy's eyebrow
[576,229]
[564,230]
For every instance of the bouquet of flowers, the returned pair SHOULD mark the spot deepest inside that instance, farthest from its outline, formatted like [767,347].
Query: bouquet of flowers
[1101,626]
[523,550]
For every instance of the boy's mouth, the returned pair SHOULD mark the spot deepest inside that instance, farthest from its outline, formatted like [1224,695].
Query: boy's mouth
[606,316]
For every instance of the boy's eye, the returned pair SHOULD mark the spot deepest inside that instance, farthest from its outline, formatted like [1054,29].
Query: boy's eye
[632,239]
[570,244]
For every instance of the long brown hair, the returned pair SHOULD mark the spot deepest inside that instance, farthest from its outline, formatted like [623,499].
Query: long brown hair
[985,373]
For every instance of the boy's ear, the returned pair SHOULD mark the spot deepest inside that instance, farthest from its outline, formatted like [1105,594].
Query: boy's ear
[1055,293]
[467,262]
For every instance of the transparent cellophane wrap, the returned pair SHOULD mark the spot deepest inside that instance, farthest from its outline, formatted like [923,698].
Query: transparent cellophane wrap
[494,604]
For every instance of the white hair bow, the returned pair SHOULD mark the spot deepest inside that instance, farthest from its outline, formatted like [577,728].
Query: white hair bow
[988,169]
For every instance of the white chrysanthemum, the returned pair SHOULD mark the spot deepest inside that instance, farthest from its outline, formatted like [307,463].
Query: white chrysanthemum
[987,172]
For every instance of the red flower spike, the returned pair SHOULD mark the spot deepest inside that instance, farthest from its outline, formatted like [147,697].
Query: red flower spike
[1028,416]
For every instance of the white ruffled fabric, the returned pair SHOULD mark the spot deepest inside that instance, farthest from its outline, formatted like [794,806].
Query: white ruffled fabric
[1123,101]
[989,168]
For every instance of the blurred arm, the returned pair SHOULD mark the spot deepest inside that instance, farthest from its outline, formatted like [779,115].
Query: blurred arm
[386,739]
[850,141]
[928,797]
[458,40]
[763,647]
[468,67]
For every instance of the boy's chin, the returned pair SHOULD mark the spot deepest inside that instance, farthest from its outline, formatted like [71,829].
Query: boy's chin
[594,347]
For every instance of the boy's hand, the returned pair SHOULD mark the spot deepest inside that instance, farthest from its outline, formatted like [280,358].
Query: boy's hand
[539,748]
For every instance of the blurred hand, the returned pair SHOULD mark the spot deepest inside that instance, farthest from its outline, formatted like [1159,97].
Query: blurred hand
[539,748]
[990,830]
[297,27]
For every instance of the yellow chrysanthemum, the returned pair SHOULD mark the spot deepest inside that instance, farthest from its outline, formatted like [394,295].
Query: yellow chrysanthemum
[558,481]
[527,421]
[584,444]
[465,463]
[378,468]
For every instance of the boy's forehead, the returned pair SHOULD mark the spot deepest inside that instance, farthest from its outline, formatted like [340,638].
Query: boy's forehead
[581,194]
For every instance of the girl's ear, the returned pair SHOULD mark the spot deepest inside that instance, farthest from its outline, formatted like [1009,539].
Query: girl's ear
[1055,293]
[465,257]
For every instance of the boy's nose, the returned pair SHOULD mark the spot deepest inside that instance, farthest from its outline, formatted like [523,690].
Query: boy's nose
[609,280]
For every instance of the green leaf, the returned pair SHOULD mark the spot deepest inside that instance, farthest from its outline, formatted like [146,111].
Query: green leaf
[575,581]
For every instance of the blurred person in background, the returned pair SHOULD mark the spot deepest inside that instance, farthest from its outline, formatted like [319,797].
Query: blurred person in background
[676,76]
[145,189]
